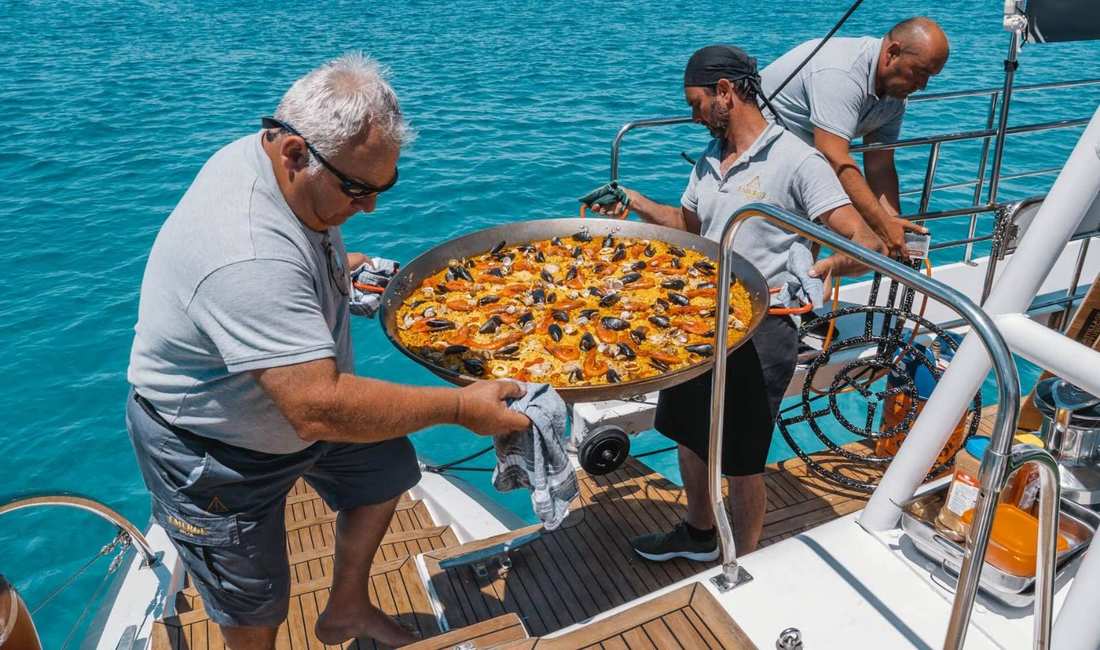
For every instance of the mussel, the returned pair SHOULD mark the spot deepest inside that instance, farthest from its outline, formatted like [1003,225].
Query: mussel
[554,330]
[539,257]
[496,272]
[638,266]
[595,291]
[631,277]
[649,250]
[678,298]
[507,350]
[551,298]
[620,253]
[577,251]
[556,241]
[637,335]
[455,349]
[575,375]
[474,366]
[571,273]
[587,342]
[659,365]
[677,251]
[588,313]
[560,315]
[609,241]
[662,304]
[546,276]
[490,326]
[487,300]
[538,295]
[659,321]
[440,324]
[704,266]
[499,247]
[674,283]
[626,352]
[526,317]
[460,273]
[614,323]
[582,236]
[612,376]
[609,299]
[701,349]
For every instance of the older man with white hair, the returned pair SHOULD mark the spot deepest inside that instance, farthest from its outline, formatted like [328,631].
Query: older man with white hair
[242,368]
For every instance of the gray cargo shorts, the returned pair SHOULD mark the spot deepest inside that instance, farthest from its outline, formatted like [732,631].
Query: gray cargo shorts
[223,506]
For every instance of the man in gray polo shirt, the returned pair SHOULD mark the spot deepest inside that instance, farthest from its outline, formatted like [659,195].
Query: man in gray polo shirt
[748,161]
[857,88]
[242,368]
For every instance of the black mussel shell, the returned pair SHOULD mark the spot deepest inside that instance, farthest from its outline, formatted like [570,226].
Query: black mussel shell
[556,241]
[662,304]
[638,266]
[546,276]
[507,350]
[659,321]
[702,349]
[491,325]
[538,295]
[678,298]
[704,266]
[577,251]
[612,376]
[555,331]
[609,299]
[539,257]
[474,366]
[614,323]
[499,247]
[637,335]
[440,324]
[676,263]
[631,277]
[582,236]
[674,283]
[495,271]
[659,365]
[551,298]
[460,272]
[441,288]
[649,251]
[595,291]
[487,300]
[571,273]
[526,317]
[576,375]
[587,342]
[677,251]
[620,254]
[560,315]
[609,241]
[705,285]
[588,313]
[626,352]
[455,349]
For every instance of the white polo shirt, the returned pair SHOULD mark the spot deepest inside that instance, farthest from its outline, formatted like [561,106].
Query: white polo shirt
[778,169]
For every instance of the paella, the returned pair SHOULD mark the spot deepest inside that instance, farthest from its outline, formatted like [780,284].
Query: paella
[581,310]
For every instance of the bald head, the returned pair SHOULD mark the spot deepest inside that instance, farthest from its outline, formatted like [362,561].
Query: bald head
[912,51]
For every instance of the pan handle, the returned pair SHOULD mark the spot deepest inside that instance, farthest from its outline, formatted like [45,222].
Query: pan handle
[789,311]
[622,215]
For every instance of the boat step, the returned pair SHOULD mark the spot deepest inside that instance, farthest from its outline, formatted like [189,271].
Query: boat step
[689,617]
[492,633]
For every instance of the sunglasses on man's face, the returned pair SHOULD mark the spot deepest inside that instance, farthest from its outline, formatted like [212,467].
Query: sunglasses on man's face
[352,188]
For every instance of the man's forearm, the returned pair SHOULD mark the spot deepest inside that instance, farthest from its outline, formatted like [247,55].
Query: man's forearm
[883,181]
[859,191]
[661,214]
[360,409]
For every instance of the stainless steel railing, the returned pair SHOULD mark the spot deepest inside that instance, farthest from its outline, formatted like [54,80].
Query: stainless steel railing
[87,504]
[986,179]
[999,462]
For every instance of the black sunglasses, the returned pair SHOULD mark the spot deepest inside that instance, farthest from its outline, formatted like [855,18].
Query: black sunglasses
[349,186]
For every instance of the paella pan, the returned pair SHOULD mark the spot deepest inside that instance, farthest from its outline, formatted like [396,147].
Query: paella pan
[601,309]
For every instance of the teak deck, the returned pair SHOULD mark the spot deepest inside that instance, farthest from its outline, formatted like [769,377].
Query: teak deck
[584,568]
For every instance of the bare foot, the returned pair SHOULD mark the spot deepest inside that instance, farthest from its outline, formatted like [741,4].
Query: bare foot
[335,628]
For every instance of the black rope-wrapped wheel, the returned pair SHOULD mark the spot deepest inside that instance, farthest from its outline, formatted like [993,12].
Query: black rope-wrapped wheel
[891,345]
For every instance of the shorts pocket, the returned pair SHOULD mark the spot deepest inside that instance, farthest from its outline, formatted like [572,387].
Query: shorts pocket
[187,523]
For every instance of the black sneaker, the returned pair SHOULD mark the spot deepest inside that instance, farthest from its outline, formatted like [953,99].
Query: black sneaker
[677,542]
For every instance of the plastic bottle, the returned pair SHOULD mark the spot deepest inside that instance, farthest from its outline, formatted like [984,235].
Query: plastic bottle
[962,495]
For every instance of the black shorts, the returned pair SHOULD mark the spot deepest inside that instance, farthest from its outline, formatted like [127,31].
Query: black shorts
[757,376]
[223,506]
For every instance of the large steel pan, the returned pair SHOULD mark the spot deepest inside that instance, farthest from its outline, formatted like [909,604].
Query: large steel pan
[412,274]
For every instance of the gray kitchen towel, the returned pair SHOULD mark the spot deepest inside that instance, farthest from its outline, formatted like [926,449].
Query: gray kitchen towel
[536,458]
[804,289]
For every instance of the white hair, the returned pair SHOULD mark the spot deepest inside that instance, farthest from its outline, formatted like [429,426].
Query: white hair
[337,101]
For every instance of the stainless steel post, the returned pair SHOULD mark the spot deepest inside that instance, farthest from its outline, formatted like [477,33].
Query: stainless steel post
[990,116]
[616,144]
[929,177]
[1002,124]
[1008,382]
[1082,255]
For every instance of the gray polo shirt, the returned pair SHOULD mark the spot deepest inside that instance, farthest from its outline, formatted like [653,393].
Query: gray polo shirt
[835,92]
[778,169]
[236,283]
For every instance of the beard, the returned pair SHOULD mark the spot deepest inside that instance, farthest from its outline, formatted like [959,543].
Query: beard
[719,120]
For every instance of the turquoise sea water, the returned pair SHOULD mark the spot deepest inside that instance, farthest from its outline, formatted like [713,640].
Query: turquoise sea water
[111,108]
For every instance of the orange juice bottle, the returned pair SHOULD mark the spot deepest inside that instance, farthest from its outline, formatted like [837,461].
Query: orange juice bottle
[962,494]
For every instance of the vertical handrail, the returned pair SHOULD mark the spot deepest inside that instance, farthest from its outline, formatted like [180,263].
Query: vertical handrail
[616,144]
[929,177]
[1008,381]
[968,256]
[1010,64]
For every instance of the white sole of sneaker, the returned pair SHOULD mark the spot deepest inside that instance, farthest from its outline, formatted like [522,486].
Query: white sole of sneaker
[709,556]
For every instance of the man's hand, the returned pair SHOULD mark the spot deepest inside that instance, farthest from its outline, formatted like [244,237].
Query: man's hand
[355,260]
[481,408]
[616,209]
[893,234]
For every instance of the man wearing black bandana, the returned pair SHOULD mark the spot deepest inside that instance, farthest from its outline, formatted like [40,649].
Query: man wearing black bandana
[748,161]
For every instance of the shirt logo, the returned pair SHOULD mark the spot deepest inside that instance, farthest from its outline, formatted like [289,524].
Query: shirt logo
[185,527]
[752,190]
